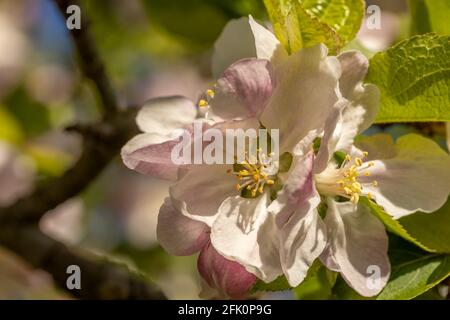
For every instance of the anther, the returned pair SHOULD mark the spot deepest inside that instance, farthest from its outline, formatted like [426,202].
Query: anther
[203,103]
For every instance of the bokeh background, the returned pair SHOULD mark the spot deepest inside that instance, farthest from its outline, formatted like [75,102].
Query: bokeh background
[151,48]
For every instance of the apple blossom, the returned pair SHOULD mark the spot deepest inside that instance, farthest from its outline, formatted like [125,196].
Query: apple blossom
[254,218]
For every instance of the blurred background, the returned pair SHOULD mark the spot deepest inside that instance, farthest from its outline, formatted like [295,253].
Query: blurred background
[151,48]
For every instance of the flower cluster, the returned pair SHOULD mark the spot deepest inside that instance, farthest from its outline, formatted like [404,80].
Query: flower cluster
[268,223]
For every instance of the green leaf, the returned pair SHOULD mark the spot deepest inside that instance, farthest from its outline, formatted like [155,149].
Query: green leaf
[414,79]
[298,28]
[410,279]
[49,161]
[342,291]
[414,272]
[429,16]
[279,284]
[431,228]
[392,225]
[318,286]
[10,129]
[343,16]
[33,117]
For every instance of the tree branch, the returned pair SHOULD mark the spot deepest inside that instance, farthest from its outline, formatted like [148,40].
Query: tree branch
[90,62]
[98,151]
[99,279]
[101,143]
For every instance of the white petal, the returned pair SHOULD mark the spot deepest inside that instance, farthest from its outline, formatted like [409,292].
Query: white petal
[297,189]
[244,38]
[199,193]
[364,98]
[266,44]
[306,91]
[354,68]
[302,240]
[164,115]
[178,234]
[358,245]
[333,133]
[361,109]
[246,233]
[416,178]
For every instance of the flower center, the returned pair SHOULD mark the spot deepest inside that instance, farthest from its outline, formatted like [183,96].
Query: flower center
[343,181]
[254,173]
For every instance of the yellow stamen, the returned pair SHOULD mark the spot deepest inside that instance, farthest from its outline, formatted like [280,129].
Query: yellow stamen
[203,103]
[254,175]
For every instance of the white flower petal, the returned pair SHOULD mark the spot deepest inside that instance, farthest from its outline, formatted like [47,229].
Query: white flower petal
[302,240]
[178,234]
[306,91]
[199,193]
[361,109]
[358,245]
[266,44]
[246,233]
[416,178]
[297,189]
[333,133]
[164,115]
[354,68]
[244,38]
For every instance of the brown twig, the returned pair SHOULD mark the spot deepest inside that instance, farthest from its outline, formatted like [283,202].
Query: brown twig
[90,61]
[99,279]
[98,151]
[101,143]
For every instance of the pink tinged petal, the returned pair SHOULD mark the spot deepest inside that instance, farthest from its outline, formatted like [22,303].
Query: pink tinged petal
[246,233]
[150,154]
[302,233]
[199,193]
[416,178]
[358,245]
[229,278]
[306,91]
[302,240]
[164,115]
[244,38]
[178,234]
[244,89]
[297,189]
[328,259]
[306,144]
